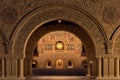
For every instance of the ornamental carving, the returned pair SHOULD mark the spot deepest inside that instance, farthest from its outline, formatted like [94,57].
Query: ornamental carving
[110,15]
[9,15]
[64,13]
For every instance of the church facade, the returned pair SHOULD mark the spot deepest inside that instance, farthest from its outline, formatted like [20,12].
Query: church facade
[59,50]
[96,23]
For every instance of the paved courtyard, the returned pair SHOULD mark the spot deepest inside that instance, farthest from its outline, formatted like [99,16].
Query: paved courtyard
[59,78]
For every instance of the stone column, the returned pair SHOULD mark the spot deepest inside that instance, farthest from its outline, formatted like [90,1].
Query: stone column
[117,67]
[105,67]
[21,69]
[111,67]
[88,68]
[99,67]
[3,66]
[14,67]
[30,63]
[8,67]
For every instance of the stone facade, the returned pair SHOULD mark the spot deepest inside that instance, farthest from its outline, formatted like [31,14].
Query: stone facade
[59,45]
[96,23]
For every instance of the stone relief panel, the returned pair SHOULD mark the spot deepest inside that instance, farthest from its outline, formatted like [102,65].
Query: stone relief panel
[9,15]
[110,15]
[61,13]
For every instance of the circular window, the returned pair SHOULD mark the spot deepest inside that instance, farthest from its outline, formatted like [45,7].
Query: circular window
[59,45]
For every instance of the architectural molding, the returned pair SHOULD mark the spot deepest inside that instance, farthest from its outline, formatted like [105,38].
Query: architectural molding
[57,13]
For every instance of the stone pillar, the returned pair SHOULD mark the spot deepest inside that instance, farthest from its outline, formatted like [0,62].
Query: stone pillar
[3,66]
[88,68]
[14,67]
[111,67]
[99,67]
[117,67]
[30,63]
[21,69]
[105,67]
[8,67]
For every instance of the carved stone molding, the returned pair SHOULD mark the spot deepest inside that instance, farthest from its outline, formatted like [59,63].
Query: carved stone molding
[48,14]
[9,15]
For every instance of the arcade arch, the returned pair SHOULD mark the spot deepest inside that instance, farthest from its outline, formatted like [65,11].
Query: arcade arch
[83,26]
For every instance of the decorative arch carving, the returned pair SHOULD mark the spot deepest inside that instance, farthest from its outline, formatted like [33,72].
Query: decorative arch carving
[116,43]
[49,13]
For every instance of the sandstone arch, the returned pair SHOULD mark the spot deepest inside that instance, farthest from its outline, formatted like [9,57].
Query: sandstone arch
[42,15]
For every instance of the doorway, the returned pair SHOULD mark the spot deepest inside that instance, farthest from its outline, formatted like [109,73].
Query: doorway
[59,64]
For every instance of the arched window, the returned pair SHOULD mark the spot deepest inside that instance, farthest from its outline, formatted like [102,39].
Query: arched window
[83,49]
[70,47]
[48,46]
[84,64]
[35,52]
[59,63]
[70,64]
[48,64]
[34,64]
[59,45]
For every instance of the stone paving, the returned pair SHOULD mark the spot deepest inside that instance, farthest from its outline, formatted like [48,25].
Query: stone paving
[60,78]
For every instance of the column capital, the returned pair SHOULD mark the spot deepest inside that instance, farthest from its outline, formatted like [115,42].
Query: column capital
[117,57]
[99,56]
[20,56]
[2,57]
[8,56]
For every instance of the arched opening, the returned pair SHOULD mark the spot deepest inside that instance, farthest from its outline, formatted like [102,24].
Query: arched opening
[59,64]
[84,64]
[87,48]
[70,64]
[34,64]
[48,64]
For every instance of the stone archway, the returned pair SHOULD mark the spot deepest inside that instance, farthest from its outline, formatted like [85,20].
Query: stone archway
[86,25]
[66,26]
